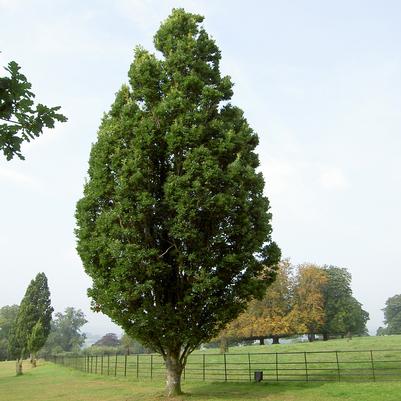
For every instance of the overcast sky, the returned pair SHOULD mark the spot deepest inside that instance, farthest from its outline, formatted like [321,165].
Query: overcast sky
[319,81]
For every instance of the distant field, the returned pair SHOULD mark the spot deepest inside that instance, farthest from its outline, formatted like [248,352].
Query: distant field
[356,343]
[360,359]
[49,382]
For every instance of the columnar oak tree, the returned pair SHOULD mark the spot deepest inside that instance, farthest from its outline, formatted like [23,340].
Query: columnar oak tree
[33,321]
[173,226]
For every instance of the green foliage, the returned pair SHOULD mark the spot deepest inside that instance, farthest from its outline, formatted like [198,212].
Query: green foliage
[314,300]
[174,228]
[8,315]
[343,313]
[357,318]
[35,309]
[392,315]
[65,335]
[23,120]
[108,340]
[37,338]
[132,346]
[381,331]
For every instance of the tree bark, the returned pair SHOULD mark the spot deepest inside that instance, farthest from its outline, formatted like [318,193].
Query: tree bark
[33,359]
[174,371]
[311,337]
[325,336]
[223,345]
[18,367]
[276,340]
[261,341]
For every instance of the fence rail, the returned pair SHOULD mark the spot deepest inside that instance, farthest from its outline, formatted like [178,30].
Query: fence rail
[323,366]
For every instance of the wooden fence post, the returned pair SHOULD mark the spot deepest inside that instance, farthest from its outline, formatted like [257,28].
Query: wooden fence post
[225,367]
[306,368]
[203,367]
[373,365]
[338,368]
[249,367]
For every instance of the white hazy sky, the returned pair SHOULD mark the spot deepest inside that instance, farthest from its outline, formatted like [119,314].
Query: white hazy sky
[319,81]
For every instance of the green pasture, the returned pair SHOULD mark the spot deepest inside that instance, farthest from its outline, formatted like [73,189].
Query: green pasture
[49,382]
[367,359]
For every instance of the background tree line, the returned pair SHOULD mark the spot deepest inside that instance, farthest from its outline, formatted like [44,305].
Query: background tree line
[307,299]
[392,316]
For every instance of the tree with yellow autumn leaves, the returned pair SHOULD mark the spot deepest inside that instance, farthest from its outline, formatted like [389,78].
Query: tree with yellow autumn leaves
[273,316]
[300,301]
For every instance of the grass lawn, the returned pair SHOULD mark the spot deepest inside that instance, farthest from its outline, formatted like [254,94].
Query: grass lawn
[360,359]
[49,382]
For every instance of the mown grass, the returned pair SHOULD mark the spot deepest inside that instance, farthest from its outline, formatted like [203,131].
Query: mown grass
[49,382]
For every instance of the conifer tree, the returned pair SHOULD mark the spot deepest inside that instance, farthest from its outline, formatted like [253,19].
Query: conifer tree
[173,227]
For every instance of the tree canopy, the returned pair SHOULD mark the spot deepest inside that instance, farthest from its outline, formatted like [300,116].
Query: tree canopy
[309,302]
[8,314]
[273,316]
[343,313]
[32,324]
[66,335]
[21,119]
[308,299]
[392,315]
[173,227]
[108,340]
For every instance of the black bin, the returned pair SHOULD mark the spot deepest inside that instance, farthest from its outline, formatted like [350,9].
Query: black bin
[258,376]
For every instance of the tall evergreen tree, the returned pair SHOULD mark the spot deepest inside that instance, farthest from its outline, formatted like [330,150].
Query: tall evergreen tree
[173,227]
[33,322]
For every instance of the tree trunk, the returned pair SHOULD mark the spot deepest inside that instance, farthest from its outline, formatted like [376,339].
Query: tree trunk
[325,336]
[223,345]
[261,341]
[311,337]
[33,359]
[174,370]
[276,340]
[18,367]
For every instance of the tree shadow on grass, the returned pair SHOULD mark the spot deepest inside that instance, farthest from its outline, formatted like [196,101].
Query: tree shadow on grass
[241,391]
